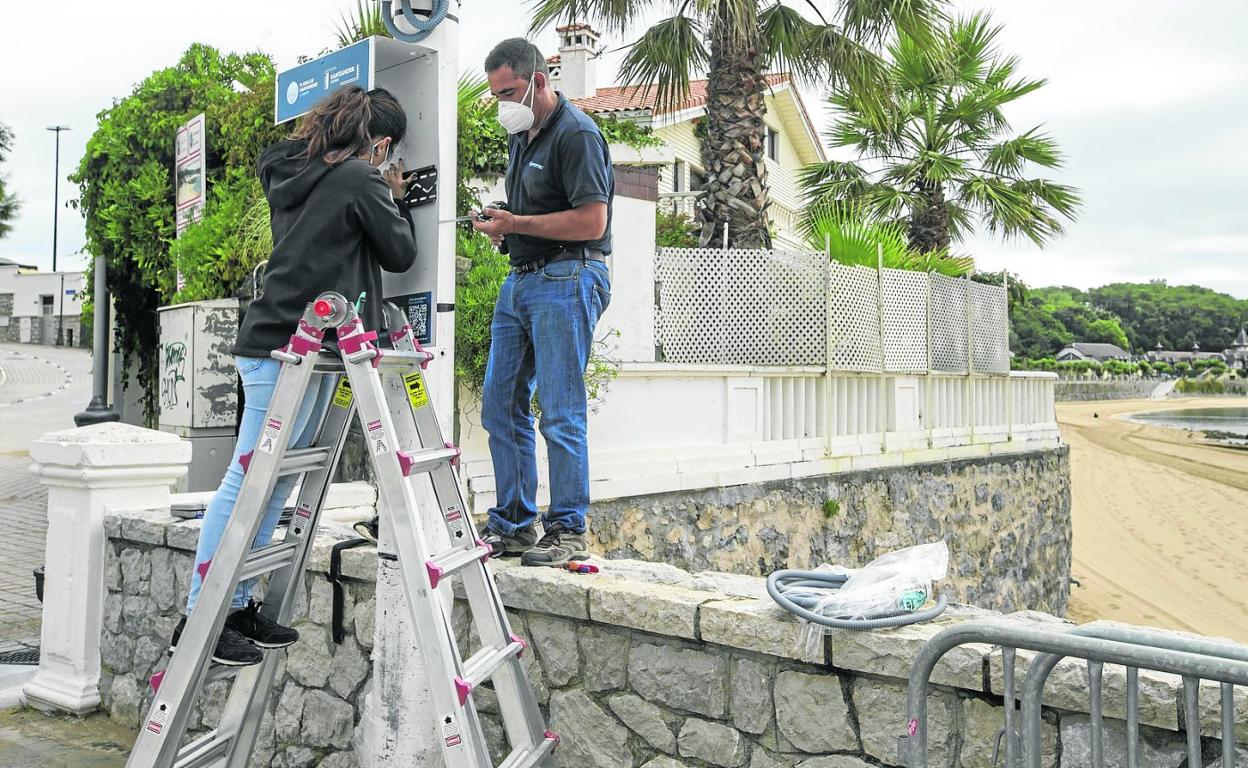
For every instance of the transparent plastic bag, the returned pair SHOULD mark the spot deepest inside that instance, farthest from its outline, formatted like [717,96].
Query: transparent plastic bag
[892,584]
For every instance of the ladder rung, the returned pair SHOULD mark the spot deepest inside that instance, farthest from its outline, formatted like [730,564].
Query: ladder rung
[270,558]
[425,461]
[527,758]
[399,359]
[210,747]
[448,563]
[485,662]
[304,460]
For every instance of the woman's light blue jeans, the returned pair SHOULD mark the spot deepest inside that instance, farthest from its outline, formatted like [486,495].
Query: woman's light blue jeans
[259,377]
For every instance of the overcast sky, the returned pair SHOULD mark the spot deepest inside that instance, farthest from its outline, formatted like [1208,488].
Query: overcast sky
[1148,100]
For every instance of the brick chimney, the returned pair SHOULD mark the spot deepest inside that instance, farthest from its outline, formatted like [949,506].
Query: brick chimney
[574,71]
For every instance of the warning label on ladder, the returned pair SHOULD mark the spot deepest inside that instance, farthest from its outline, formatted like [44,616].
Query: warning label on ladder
[456,523]
[377,437]
[160,713]
[303,513]
[450,731]
[417,395]
[342,393]
[268,438]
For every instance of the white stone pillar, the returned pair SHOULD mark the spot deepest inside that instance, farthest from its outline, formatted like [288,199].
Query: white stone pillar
[89,471]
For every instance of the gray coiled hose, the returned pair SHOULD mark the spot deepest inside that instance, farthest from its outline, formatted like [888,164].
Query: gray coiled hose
[795,592]
[425,26]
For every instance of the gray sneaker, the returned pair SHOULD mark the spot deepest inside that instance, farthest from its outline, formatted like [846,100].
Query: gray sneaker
[508,545]
[556,548]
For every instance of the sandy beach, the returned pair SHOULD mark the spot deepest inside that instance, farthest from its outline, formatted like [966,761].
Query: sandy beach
[1160,520]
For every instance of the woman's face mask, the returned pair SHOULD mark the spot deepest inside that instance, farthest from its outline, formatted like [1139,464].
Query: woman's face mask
[381,149]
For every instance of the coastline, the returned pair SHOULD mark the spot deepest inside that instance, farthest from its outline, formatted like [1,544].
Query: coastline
[1160,518]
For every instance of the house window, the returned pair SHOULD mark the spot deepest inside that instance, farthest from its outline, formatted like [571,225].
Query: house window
[678,176]
[697,180]
[46,302]
[773,144]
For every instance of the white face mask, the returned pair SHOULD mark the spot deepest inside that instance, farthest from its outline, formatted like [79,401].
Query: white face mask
[515,116]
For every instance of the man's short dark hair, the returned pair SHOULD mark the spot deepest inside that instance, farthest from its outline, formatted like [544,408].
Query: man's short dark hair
[520,55]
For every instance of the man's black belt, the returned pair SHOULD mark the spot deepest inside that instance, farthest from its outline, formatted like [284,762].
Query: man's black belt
[580,254]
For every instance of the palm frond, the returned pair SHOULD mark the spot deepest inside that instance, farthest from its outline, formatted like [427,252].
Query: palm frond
[855,238]
[872,20]
[1011,155]
[614,16]
[364,22]
[663,58]
[784,32]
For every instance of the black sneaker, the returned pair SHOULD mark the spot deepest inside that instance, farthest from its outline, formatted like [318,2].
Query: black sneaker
[233,650]
[260,629]
[367,529]
[508,545]
[556,548]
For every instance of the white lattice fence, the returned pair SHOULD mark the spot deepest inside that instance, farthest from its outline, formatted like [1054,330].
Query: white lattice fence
[948,327]
[741,307]
[756,307]
[905,320]
[990,325]
[853,318]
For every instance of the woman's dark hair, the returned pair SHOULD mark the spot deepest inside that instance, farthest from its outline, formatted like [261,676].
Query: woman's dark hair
[341,125]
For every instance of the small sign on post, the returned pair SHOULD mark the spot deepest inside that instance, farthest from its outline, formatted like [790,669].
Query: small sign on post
[190,176]
[300,88]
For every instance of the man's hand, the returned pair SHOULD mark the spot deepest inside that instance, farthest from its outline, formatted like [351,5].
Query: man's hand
[394,179]
[500,223]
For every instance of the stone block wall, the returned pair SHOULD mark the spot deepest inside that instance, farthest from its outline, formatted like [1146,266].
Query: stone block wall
[1072,390]
[320,686]
[644,665]
[1006,520]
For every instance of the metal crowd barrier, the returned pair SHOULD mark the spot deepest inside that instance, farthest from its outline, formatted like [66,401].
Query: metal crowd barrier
[1194,659]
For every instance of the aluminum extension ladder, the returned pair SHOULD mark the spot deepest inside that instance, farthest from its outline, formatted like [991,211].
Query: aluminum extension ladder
[404,440]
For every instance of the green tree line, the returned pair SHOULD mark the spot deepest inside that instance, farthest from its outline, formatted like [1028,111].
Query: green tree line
[1136,316]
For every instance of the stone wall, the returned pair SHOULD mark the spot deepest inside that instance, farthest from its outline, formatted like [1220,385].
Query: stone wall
[1006,520]
[320,686]
[643,665]
[1071,390]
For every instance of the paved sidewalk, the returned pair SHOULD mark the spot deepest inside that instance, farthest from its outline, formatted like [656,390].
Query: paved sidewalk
[41,388]
[32,740]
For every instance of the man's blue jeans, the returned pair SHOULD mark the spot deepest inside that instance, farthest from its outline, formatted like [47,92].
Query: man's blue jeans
[259,376]
[541,335]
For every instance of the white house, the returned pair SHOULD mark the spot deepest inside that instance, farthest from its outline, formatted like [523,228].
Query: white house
[32,303]
[792,140]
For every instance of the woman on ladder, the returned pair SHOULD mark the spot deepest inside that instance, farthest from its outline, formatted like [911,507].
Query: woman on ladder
[338,219]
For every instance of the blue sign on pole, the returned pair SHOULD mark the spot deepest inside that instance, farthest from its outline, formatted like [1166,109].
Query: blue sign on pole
[300,88]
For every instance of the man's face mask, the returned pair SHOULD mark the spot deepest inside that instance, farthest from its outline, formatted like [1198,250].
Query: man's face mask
[516,116]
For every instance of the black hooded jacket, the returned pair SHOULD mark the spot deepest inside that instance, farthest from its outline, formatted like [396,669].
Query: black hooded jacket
[334,229]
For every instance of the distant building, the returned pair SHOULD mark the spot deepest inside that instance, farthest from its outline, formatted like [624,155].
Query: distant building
[1237,355]
[1174,356]
[1100,353]
[32,302]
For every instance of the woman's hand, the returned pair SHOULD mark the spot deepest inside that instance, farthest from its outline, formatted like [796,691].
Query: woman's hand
[394,179]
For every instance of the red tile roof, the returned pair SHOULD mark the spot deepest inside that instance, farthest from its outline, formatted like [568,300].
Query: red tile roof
[629,98]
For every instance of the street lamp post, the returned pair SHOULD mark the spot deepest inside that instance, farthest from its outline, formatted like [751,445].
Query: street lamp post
[56,209]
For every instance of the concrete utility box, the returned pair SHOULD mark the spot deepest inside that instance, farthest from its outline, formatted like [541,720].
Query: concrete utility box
[199,385]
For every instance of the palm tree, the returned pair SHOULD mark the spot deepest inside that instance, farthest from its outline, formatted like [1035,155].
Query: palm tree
[940,156]
[737,42]
[9,204]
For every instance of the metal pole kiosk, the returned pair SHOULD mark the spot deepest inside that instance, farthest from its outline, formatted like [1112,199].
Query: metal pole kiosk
[98,410]
[56,209]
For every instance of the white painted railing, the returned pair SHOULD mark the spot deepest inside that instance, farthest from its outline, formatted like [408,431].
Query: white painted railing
[668,427]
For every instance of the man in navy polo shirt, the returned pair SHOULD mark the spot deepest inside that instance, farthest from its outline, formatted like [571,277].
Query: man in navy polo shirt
[557,233]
